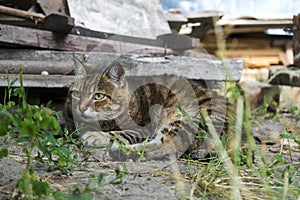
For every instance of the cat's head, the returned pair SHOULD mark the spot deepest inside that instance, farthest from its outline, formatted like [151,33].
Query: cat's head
[99,96]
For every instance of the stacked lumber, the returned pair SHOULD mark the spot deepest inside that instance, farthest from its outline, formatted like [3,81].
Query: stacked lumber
[255,58]
[248,39]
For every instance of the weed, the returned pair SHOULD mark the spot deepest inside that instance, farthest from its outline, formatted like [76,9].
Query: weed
[38,129]
[263,176]
[86,192]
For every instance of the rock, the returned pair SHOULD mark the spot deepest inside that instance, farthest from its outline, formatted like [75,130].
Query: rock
[287,76]
[261,94]
[289,97]
[268,131]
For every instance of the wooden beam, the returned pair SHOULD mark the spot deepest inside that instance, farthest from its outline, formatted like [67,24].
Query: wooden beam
[255,58]
[47,40]
[251,52]
[36,67]
[206,19]
[296,40]
[39,81]
[268,23]
[134,65]
[58,23]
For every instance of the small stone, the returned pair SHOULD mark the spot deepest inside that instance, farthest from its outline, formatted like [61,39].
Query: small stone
[45,73]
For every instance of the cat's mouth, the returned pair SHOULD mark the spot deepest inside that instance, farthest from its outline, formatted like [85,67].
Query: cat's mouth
[89,116]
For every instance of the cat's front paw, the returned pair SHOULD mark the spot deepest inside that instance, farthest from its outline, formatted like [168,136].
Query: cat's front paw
[94,138]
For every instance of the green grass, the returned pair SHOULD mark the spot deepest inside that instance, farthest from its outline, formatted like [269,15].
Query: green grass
[242,170]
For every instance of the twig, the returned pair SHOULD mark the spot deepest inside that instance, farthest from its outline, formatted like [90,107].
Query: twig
[21,13]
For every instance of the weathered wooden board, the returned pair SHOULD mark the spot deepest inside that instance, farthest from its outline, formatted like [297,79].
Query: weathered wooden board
[48,40]
[134,65]
[268,23]
[207,20]
[38,81]
[175,20]
[255,58]
[36,67]
[21,36]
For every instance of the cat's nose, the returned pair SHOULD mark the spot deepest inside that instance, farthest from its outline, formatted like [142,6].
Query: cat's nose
[83,108]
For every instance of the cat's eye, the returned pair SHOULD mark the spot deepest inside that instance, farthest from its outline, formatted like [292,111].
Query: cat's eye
[99,96]
[76,94]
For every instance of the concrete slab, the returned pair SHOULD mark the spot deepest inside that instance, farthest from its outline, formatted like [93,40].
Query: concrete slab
[125,17]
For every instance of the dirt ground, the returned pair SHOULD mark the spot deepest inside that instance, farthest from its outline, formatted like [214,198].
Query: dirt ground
[144,180]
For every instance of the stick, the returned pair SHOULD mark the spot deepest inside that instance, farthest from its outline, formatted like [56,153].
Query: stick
[21,13]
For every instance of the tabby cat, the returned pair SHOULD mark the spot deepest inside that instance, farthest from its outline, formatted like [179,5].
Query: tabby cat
[159,116]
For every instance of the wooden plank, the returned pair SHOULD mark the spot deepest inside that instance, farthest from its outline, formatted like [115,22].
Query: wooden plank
[58,23]
[255,58]
[36,67]
[175,20]
[142,64]
[251,52]
[191,72]
[206,19]
[39,81]
[47,40]
[191,68]
[255,62]
[134,65]
[270,23]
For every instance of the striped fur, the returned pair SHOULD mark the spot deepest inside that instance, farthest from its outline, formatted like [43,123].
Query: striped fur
[142,113]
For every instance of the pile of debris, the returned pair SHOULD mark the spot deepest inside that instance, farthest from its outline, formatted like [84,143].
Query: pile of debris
[46,38]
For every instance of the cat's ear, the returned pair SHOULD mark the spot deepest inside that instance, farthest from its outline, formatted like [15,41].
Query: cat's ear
[79,67]
[116,73]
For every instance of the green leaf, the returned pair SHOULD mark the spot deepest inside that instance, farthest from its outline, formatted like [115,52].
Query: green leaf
[290,137]
[4,126]
[100,179]
[23,139]
[50,140]
[202,120]
[199,137]
[60,141]
[3,153]
[25,150]
[57,195]
[287,136]
[84,196]
[41,188]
